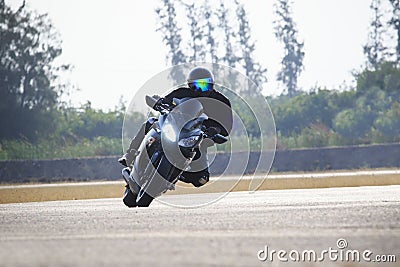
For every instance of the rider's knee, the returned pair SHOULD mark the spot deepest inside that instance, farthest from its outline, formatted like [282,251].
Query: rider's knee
[149,123]
[200,179]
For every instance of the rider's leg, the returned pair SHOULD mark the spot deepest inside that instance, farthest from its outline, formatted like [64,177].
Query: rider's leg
[198,175]
[129,157]
[198,179]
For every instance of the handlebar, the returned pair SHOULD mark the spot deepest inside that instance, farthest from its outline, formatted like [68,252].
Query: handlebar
[163,108]
[157,104]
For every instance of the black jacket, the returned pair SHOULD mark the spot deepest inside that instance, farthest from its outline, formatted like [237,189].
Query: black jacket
[220,116]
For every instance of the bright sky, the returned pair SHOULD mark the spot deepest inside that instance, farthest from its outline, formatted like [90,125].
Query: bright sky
[115,49]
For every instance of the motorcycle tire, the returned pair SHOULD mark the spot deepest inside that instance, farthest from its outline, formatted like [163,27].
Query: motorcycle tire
[145,199]
[129,198]
[165,169]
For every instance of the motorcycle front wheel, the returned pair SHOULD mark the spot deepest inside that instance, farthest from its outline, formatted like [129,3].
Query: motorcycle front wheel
[144,199]
[166,170]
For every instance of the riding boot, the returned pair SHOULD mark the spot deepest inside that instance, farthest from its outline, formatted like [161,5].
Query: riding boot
[129,157]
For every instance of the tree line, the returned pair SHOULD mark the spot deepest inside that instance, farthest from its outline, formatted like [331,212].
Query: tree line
[37,124]
[217,34]
[366,114]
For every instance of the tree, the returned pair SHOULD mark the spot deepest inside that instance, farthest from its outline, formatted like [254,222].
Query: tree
[386,78]
[286,32]
[375,50]
[253,69]
[388,122]
[209,30]
[229,58]
[196,42]
[28,90]
[210,34]
[171,35]
[395,23]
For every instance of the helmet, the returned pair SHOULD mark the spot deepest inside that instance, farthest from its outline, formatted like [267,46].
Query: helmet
[201,79]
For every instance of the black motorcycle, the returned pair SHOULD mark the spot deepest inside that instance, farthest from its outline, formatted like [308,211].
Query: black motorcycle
[167,150]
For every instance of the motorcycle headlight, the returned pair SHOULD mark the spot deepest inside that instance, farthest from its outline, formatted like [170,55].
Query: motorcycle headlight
[189,142]
[169,132]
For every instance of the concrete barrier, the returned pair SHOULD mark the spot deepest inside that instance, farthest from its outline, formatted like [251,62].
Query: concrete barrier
[107,168]
[338,158]
[115,189]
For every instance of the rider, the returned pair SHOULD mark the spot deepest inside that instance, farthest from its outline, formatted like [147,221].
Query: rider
[216,106]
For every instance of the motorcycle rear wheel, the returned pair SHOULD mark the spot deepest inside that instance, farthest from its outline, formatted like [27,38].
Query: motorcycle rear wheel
[129,198]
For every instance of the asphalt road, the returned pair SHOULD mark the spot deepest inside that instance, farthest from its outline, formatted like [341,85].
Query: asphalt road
[231,232]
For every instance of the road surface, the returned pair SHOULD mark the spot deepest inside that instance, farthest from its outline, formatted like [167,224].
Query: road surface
[235,231]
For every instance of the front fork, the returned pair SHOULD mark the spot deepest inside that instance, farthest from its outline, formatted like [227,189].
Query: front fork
[137,179]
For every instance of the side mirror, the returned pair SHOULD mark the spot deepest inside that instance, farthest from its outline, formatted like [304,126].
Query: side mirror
[219,139]
[150,101]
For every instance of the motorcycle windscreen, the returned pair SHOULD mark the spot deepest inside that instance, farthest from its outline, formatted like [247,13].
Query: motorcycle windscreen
[187,108]
[174,127]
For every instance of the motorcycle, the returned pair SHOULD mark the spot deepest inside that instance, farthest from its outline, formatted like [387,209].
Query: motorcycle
[167,150]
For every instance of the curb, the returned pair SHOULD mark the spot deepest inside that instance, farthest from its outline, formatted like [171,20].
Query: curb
[115,189]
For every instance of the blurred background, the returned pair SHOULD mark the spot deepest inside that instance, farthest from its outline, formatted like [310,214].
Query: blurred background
[330,70]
